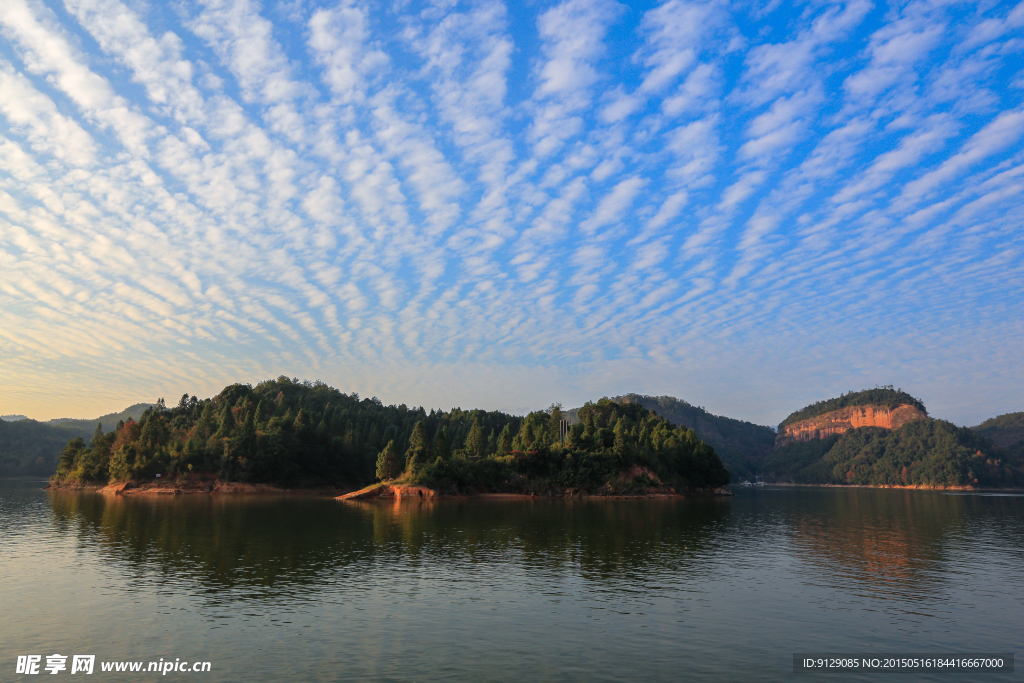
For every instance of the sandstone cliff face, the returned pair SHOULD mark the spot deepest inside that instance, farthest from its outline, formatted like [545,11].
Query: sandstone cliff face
[839,421]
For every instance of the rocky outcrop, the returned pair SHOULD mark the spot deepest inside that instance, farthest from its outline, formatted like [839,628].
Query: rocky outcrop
[844,419]
[389,491]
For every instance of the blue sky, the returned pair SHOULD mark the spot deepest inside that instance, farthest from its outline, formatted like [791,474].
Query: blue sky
[751,206]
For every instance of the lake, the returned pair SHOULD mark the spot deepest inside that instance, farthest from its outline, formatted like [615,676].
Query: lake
[311,589]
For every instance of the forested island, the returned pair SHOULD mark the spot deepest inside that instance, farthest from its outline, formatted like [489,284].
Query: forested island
[292,433]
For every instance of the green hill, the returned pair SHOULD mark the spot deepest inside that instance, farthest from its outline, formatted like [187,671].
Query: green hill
[880,396]
[289,432]
[1006,430]
[29,447]
[925,452]
[741,445]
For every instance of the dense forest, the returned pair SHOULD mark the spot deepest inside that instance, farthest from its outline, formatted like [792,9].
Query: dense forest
[1005,430]
[880,396]
[925,452]
[296,433]
[28,447]
[741,445]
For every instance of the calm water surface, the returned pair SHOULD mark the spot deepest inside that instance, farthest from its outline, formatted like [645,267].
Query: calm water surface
[304,589]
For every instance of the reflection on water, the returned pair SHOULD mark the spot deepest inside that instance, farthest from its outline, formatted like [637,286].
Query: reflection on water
[274,544]
[907,553]
[298,589]
[890,543]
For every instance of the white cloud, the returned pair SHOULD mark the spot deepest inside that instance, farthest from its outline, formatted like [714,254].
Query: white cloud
[382,196]
[573,33]
[35,116]
[339,37]
[614,204]
[47,52]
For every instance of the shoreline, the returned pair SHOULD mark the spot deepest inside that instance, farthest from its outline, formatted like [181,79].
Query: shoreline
[912,487]
[410,492]
[193,488]
[396,492]
[373,492]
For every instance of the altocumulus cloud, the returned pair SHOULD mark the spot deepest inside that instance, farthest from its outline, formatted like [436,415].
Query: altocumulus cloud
[748,205]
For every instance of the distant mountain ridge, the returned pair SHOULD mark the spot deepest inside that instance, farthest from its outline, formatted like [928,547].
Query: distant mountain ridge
[741,445]
[30,447]
[133,411]
[1005,430]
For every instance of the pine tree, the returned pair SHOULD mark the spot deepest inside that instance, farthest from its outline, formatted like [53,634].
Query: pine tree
[249,424]
[206,424]
[154,432]
[442,449]
[227,423]
[280,405]
[589,428]
[418,452]
[620,439]
[555,423]
[505,440]
[301,421]
[388,466]
[475,441]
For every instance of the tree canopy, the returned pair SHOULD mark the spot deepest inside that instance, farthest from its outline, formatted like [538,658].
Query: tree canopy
[924,452]
[292,432]
[741,445]
[611,446]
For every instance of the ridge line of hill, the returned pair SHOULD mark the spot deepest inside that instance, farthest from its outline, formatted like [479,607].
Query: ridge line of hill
[991,451]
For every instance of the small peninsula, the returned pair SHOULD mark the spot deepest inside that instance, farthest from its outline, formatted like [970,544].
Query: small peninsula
[295,434]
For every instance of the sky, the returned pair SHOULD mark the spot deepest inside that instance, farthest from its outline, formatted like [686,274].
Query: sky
[751,206]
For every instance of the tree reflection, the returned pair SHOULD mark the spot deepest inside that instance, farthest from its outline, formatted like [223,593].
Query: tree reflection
[274,545]
[890,542]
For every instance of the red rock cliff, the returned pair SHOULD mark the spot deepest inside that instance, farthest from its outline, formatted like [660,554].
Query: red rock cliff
[839,421]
